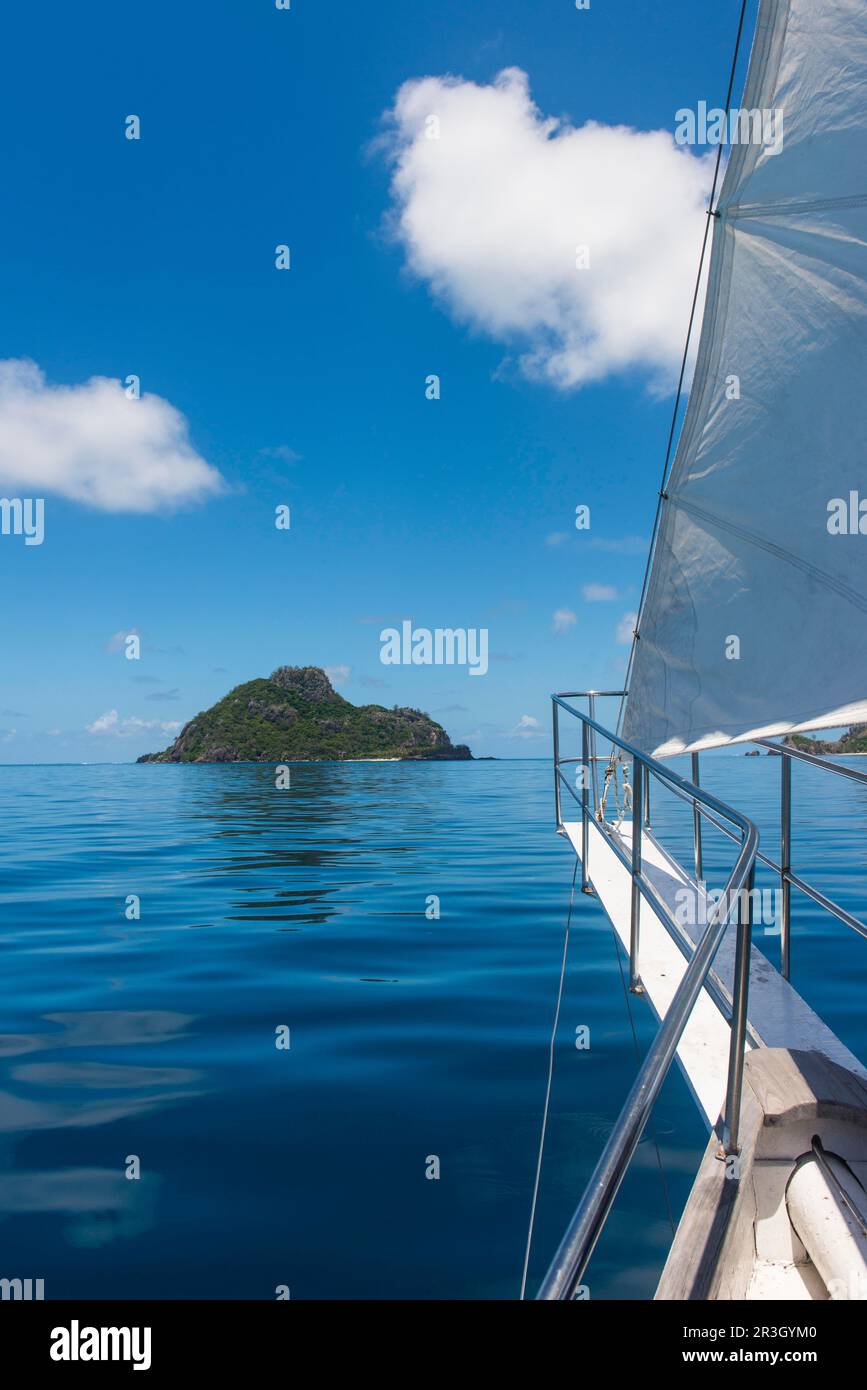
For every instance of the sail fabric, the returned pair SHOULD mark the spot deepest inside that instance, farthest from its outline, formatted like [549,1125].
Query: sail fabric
[755,617]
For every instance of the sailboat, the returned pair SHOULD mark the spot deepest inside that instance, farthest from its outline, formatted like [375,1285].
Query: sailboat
[752,626]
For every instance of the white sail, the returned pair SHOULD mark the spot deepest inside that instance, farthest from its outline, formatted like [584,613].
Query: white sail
[755,618]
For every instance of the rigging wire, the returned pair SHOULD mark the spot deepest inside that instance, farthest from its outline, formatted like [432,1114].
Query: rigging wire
[662,497]
[548,1089]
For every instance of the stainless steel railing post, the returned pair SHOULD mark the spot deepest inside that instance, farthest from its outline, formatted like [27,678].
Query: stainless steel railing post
[647,796]
[585,822]
[785,863]
[635,984]
[556,721]
[740,1002]
[696,822]
[591,706]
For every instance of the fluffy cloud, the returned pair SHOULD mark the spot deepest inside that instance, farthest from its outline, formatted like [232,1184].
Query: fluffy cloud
[599,593]
[491,212]
[111,723]
[338,675]
[625,628]
[526,727]
[93,444]
[564,618]
[105,723]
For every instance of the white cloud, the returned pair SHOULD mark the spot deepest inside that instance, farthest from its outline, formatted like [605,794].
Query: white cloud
[338,675]
[93,444]
[556,538]
[111,723]
[599,593]
[564,618]
[491,213]
[625,628]
[104,724]
[526,727]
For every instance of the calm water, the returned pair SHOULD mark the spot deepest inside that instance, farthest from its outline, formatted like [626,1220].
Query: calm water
[410,1037]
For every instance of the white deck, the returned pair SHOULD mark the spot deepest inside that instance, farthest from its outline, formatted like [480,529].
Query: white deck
[778,1014]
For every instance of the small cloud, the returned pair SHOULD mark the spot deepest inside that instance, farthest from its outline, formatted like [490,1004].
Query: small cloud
[625,628]
[338,675]
[53,733]
[93,444]
[555,538]
[7,735]
[373,682]
[451,709]
[111,723]
[564,618]
[599,593]
[620,545]
[220,670]
[104,724]
[526,727]
[507,656]
[281,451]
[13,714]
[164,695]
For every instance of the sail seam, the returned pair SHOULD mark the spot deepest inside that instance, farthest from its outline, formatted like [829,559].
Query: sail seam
[737,211]
[851,595]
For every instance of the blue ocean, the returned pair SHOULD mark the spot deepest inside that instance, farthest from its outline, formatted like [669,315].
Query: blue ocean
[315,1023]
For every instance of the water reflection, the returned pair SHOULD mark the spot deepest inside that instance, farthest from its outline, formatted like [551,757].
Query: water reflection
[82,1095]
[103,1204]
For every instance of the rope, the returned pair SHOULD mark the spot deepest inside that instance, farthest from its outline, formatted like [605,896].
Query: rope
[616,759]
[663,496]
[547,1091]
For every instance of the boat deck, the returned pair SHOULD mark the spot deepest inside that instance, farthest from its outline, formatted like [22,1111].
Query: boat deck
[787,1021]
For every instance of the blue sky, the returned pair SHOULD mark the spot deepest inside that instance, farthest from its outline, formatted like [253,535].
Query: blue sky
[307,387]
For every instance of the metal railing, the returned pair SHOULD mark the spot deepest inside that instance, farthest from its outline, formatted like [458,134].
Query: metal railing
[586,1225]
[788,878]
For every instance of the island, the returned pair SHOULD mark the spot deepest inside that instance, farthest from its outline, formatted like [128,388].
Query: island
[296,715]
[853,741]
